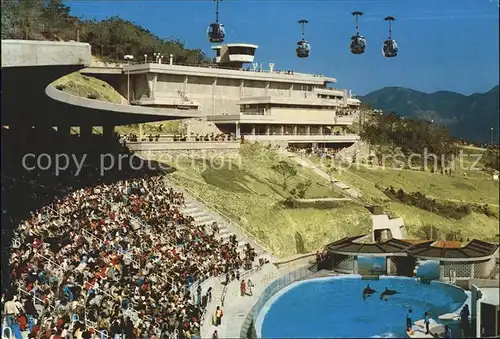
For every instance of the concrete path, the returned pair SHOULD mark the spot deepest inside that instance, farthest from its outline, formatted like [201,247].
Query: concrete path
[324,199]
[237,307]
[307,164]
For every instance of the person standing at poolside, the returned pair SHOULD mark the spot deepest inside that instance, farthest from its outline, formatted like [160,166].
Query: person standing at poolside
[243,288]
[409,321]
[464,321]
[427,322]
[250,285]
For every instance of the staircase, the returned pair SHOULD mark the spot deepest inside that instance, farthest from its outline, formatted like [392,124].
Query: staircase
[203,216]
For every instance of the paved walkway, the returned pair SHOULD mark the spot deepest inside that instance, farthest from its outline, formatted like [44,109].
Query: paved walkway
[237,307]
[306,163]
[324,199]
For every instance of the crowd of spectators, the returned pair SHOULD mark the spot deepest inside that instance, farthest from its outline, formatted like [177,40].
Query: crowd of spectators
[181,137]
[110,255]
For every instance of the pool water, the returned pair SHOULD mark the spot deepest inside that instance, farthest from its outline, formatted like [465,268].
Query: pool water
[333,307]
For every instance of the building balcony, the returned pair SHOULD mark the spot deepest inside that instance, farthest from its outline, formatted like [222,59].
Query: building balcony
[330,91]
[347,138]
[344,119]
[241,118]
[215,71]
[309,99]
[169,101]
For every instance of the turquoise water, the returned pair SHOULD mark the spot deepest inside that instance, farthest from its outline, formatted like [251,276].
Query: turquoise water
[333,307]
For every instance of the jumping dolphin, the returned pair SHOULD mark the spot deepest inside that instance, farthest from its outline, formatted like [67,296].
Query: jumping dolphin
[368,291]
[387,293]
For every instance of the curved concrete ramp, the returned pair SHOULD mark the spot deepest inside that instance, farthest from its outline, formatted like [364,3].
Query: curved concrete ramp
[28,67]
[101,112]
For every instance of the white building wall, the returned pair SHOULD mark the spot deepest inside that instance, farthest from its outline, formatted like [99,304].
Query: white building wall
[299,115]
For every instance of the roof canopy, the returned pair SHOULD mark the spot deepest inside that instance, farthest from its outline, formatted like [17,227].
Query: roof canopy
[476,249]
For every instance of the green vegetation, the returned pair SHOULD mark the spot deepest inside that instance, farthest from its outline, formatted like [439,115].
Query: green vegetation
[396,142]
[250,192]
[477,190]
[447,209]
[110,39]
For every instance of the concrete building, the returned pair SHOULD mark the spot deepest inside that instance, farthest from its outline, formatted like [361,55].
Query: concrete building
[255,103]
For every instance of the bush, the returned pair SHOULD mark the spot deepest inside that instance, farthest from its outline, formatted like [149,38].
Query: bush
[92,96]
[446,209]
[60,87]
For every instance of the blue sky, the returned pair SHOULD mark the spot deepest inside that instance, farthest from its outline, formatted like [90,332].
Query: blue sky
[444,44]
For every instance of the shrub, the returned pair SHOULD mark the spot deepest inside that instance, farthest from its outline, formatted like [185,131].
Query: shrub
[92,96]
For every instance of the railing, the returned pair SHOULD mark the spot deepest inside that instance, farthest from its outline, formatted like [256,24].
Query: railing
[242,275]
[216,66]
[277,285]
[221,214]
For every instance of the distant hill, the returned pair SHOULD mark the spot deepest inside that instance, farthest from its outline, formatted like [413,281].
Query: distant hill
[469,117]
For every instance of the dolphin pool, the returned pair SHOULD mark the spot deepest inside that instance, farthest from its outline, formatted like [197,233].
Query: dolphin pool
[334,307]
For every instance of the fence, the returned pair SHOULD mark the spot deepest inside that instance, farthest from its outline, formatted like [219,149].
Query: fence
[278,285]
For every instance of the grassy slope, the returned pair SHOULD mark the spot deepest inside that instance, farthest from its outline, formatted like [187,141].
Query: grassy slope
[477,187]
[85,86]
[250,194]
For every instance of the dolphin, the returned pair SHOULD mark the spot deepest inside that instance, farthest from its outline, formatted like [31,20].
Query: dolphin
[386,293]
[368,291]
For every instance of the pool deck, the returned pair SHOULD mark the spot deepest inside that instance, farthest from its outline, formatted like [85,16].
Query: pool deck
[236,307]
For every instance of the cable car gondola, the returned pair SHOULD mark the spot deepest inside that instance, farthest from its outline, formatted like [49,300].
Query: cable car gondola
[390,48]
[303,47]
[216,32]
[358,42]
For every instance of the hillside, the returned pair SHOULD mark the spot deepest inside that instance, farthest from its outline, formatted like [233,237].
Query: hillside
[247,190]
[468,117]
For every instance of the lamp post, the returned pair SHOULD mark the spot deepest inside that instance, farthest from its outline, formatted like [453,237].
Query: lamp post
[129,58]
[157,56]
[491,136]
[145,58]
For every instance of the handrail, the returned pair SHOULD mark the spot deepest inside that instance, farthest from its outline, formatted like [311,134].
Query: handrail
[226,218]
[216,66]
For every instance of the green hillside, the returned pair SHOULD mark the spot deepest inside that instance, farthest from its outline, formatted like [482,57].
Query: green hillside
[249,191]
[468,117]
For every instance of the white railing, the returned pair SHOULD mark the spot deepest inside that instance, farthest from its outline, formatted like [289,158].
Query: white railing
[220,213]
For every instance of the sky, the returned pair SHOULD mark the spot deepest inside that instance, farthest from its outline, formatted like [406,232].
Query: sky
[450,45]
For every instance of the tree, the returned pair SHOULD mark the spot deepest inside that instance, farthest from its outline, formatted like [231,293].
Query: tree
[286,171]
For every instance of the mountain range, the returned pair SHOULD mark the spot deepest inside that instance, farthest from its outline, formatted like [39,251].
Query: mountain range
[468,117]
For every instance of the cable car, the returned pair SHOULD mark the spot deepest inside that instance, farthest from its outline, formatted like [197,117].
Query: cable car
[358,42]
[303,47]
[390,47]
[215,31]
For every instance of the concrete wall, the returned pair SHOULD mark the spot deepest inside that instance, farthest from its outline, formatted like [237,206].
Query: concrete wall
[182,145]
[28,53]
[303,138]
[300,115]
[216,157]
